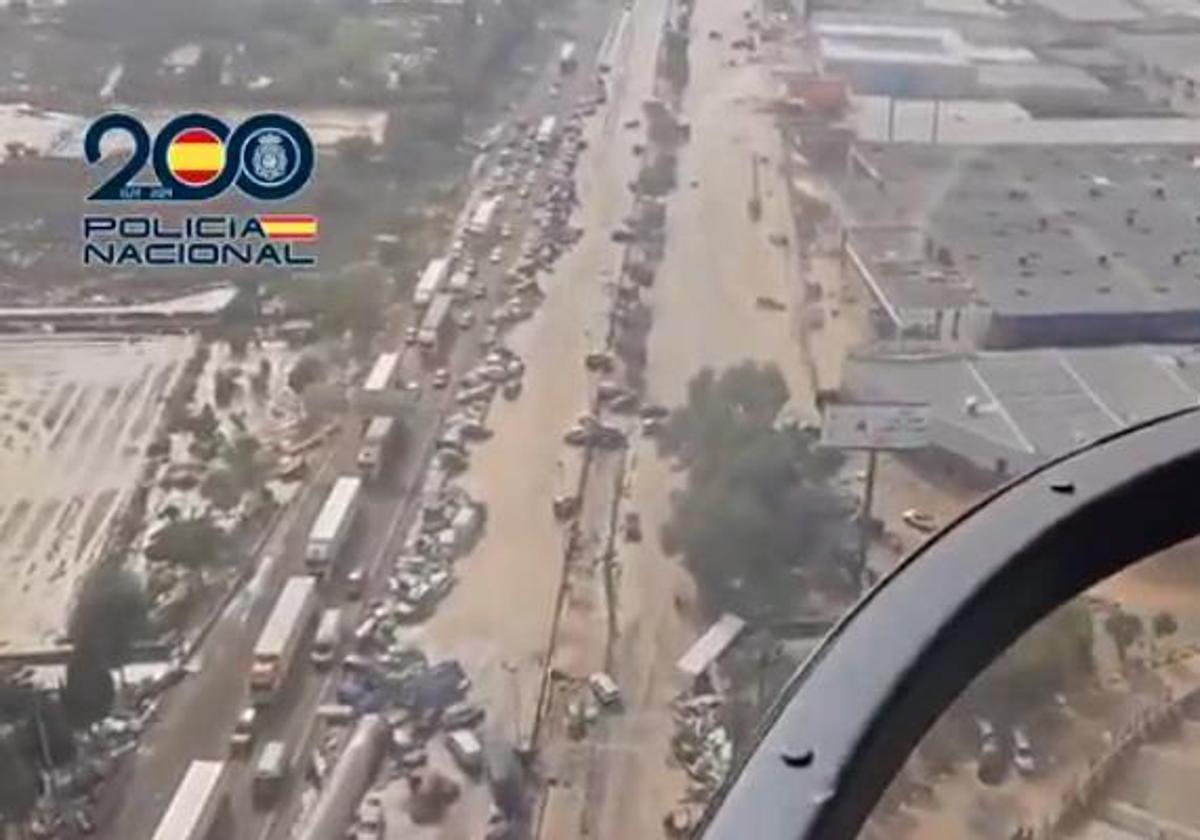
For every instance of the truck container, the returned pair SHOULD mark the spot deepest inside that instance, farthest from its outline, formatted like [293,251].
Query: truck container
[437,327]
[270,773]
[333,525]
[328,637]
[199,810]
[282,637]
[376,444]
[431,280]
[383,373]
[485,215]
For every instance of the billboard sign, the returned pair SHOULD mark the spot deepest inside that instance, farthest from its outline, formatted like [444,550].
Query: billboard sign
[875,425]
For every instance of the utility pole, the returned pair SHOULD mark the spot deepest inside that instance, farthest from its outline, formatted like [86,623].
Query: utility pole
[864,519]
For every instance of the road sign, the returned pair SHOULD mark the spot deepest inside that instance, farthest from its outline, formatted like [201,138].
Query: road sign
[875,425]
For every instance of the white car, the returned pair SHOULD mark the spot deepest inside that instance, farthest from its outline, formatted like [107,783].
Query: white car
[495,256]
[919,520]
[464,318]
[441,378]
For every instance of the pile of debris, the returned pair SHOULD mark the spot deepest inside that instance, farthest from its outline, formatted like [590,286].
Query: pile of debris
[702,744]
[502,370]
[589,431]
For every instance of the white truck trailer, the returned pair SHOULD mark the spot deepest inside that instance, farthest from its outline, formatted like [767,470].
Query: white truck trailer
[437,326]
[376,443]
[333,525]
[431,280]
[199,810]
[281,637]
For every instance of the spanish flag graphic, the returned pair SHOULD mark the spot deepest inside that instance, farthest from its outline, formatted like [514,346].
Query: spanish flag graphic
[297,228]
[196,157]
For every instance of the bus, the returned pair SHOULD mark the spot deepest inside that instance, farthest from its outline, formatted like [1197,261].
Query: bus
[199,810]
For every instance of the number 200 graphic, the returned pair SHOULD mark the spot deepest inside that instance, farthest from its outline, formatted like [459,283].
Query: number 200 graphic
[196,157]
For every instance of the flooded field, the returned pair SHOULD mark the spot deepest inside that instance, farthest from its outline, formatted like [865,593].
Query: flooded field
[76,415]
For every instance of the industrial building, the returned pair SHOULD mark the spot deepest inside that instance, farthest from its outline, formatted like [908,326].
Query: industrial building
[1059,246]
[1006,412]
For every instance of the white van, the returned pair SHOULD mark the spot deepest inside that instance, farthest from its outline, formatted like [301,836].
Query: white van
[329,636]
[466,749]
[604,688]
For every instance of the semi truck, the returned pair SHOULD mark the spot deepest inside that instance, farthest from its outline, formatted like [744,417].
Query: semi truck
[199,810]
[333,525]
[431,280]
[437,327]
[376,444]
[282,637]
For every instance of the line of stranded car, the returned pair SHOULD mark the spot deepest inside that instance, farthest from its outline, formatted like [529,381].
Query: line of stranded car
[383,673]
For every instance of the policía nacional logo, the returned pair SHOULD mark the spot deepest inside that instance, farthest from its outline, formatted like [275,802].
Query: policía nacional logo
[198,157]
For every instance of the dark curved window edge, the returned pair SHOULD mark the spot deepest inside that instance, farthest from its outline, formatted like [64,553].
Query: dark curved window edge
[857,707]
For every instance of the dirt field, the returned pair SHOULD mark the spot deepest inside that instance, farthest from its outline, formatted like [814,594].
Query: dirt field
[76,415]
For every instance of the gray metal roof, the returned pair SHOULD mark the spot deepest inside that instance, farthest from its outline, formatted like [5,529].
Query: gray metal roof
[1032,228]
[1028,406]
[1021,77]
[1093,11]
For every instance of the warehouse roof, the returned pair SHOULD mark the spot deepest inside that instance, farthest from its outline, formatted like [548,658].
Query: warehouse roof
[1027,406]
[1049,230]
[1093,11]
[1022,77]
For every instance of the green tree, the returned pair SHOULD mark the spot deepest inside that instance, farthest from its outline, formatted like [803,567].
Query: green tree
[1053,654]
[224,387]
[261,380]
[756,505]
[1125,629]
[110,614]
[307,371]
[89,692]
[221,488]
[192,544]
[18,784]
[45,735]
[1164,624]
[204,425]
